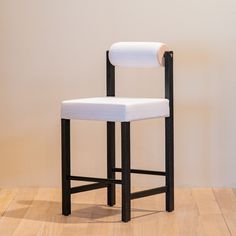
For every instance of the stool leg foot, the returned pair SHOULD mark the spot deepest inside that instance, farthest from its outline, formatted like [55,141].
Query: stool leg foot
[169,132]
[65,165]
[111,189]
[126,189]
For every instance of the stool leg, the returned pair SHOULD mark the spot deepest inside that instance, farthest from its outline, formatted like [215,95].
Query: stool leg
[169,162]
[65,165]
[126,189]
[111,197]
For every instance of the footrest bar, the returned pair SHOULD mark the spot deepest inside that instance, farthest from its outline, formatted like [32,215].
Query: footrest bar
[92,179]
[147,172]
[148,192]
[87,187]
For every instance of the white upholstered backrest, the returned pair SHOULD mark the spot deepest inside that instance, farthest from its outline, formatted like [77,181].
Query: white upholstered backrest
[137,54]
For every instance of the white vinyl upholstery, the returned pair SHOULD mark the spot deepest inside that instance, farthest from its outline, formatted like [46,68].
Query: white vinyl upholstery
[114,108]
[137,54]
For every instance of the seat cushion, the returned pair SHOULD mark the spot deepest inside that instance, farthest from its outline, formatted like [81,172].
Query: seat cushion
[114,108]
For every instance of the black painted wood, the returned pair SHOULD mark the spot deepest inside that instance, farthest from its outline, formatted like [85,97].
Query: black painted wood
[65,166]
[87,187]
[110,83]
[169,132]
[145,172]
[148,192]
[94,179]
[125,162]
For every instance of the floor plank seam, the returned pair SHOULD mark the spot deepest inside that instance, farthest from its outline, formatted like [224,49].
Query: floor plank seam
[9,204]
[191,193]
[222,212]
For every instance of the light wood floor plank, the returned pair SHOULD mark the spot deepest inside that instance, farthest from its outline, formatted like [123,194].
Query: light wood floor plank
[37,214]
[212,224]
[211,220]
[234,191]
[60,225]
[198,212]
[16,211]
[186,212]
[226,199]
[6,197]
[206,201]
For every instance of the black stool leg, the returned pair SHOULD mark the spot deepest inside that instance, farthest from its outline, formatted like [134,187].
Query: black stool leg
[169,162]
[125,145]
[65,165]
[111,197]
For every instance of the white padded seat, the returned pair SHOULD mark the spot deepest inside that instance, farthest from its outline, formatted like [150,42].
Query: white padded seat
[114,108]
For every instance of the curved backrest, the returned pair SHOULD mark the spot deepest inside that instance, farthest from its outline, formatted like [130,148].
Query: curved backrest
[137,54]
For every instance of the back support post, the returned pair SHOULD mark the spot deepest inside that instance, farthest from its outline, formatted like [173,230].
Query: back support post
[169,132]
[110,83]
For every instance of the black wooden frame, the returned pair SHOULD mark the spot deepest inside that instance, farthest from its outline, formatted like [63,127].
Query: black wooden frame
[125,169]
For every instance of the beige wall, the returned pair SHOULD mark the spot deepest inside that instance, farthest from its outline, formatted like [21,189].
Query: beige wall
[51,50]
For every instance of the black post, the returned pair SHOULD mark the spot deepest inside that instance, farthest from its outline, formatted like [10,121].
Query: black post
[110,77]
[125,163]
[169,132]
[65,165]
[110,82]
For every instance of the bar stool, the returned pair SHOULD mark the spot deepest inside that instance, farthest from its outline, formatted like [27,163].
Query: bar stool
[113,109]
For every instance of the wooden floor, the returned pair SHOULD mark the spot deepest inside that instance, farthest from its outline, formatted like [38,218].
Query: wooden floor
[37,211]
